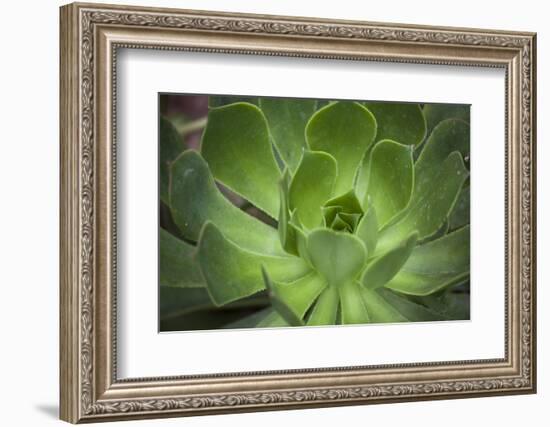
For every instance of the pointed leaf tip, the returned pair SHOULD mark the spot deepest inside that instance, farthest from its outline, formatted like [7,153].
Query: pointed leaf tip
[382,269]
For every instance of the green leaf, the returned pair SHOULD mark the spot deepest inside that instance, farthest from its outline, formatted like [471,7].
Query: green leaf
[287,234]
[175,300]
[352,305]
[436,113]
[401,122]
[215,101]
[351,219]
[329,214]
[343,221]
[171,146]
[232,273]
[287,120]
[441,231]
[272,320]
[409,310]
[391,178]
[339,224]
[251,320]
[382,269]
[379,310]
[325,308]
[460,216]
[367,230]
[429,207]
[266,318]
[448,304]
[435,265]
[323,103]
[166,221]
[362,177]
[345,130]
[348,202]
[292,300]
[178,266]
[196,311]
[448,136]
[338,257]
[236,146]
[456,306]
[195,199]
[301,240]
[312,186]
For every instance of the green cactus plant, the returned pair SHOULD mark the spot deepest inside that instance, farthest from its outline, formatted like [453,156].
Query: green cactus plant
[366,209]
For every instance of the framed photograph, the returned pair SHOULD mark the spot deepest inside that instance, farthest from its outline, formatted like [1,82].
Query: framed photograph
[265,212]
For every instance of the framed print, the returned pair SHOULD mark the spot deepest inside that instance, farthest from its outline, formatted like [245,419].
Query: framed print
[263,212]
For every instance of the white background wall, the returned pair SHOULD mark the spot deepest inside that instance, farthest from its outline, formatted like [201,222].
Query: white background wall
[29,170]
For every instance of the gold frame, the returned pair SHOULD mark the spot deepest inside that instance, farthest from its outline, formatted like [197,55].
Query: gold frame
[90,36]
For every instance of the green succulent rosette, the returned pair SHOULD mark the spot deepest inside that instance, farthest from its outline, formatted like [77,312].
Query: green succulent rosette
[364,213]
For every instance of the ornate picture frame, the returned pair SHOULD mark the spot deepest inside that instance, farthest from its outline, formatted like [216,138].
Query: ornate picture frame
[90,37]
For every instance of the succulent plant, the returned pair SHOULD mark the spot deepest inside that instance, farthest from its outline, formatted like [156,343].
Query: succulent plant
[364,213]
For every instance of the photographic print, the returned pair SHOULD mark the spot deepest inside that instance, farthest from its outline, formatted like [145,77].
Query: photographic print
[278,212]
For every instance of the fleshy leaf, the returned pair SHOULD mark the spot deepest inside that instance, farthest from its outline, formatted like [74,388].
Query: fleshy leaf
[272,320]
[232,273]
[367,230]
[345,130]
[287,234]
[171,146]
[391,178]
[342,212]
[449,304]
[401,122]
[379,310]
[195,199]
[312,186]
[325,308]
[347,201]
[292,300]
[447,137]
[215,101]
[460,216]
[329,214]
[382,269]
[252,320]
[436,113]
[429,207]
[338,257]
[435,265]
[236,146]
[351,219]
[167,222]
[407,309]
[442,231]
[184,311]
[362,177]
[352,305]
[176,301]
[287,120]
[177,264]
[300,239]
[339,224]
